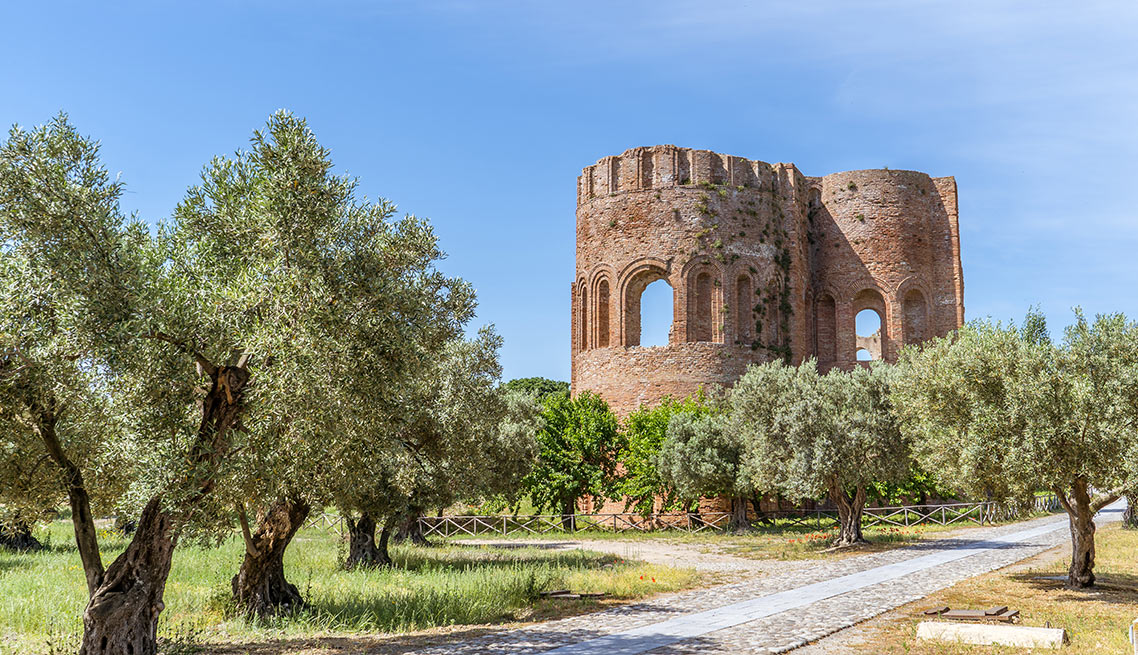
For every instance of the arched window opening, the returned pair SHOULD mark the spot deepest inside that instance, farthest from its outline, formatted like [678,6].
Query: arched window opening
[700,318]
[603,314]
[867,324]
[916,317]
[825,320]
[656,312]
[743,310]
[584,309]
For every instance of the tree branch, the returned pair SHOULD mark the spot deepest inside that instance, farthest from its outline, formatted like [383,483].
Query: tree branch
[182,346]
[1062,496]
[250,547]
[1105,499]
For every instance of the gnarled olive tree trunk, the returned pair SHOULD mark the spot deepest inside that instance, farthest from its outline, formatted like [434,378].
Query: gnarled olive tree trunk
[121,617]
[739,521]
[1081,513]
[410,529]
[260,587]
[122,613]
[18,536]
[850,508]
[363,550]
[1130,515]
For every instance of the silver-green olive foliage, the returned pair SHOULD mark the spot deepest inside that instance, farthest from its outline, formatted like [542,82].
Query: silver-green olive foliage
[702,457]
[62,295]
[809,435]
[235,355]
[1000,415]
[71,276]
[1002,412]
[336,303]
[461,437]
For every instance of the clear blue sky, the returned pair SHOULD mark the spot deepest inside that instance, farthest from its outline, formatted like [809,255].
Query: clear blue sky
[480,115]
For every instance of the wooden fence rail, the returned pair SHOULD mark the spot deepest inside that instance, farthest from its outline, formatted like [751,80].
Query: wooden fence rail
[943,514]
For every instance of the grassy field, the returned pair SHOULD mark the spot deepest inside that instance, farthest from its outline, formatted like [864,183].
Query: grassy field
[42,595]
[1096,620]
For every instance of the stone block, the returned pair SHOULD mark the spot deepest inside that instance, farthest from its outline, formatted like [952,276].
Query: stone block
[984,634]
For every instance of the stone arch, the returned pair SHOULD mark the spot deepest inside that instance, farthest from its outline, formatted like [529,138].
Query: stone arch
[603,304]
[700,319]
[876,344]
[826,328]
[742,304]
[582,315]
[914,316]
[634,279]
[703,285]
[602,310]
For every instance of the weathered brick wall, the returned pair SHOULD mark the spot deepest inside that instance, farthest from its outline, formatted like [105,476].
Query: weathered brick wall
[763,262]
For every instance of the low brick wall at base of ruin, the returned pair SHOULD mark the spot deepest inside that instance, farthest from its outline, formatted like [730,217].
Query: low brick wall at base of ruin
[628,377]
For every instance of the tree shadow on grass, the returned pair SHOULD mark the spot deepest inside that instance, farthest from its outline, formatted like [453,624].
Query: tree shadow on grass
[1117,588]
[10,559]
[478,557]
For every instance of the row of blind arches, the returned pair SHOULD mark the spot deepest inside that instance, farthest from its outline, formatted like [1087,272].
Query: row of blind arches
[655,310]
[873,336]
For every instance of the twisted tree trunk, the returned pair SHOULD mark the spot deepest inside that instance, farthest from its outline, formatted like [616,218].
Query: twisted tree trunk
[82,521]
[1081,514]
[121,617]
[739,521]
[363,552]
[260,587]
[410,529]
[850,509]
[18,536]
[1130,516]
[122,614]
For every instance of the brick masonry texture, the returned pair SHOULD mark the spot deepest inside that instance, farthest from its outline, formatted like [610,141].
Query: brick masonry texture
[764,263]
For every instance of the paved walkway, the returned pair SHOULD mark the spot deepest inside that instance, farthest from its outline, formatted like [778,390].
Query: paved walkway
[775,614]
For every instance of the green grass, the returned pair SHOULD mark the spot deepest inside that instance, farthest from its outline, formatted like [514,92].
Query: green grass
[42,595]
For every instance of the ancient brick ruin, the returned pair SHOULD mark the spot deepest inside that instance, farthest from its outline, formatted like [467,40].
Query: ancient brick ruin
[763,262]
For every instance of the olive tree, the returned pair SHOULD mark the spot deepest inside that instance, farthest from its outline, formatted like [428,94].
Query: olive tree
[71,275]
[333,303]
[1000,412]
[702,456]
[272,296]
[465,439]
[810,435]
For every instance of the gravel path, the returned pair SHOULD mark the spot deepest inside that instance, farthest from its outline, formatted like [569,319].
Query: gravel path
[777,613]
